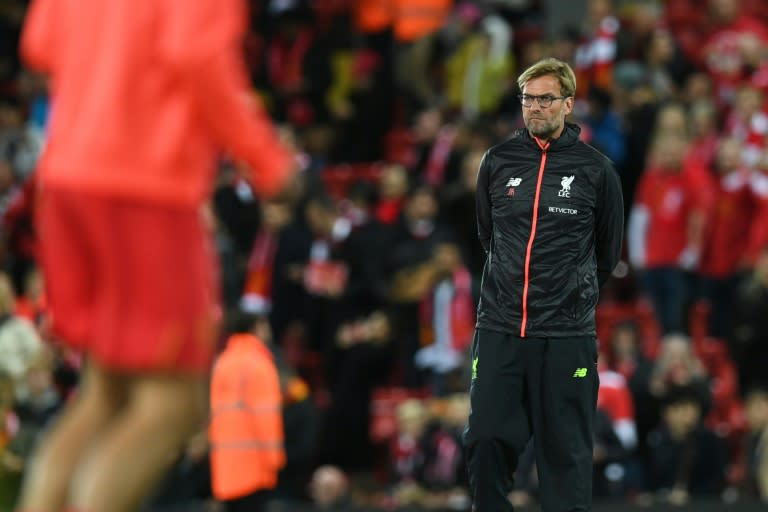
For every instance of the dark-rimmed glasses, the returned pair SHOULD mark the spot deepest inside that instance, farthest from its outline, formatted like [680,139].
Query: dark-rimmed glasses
[544,101]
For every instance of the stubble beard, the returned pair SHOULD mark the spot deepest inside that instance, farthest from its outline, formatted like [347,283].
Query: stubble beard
[541,128]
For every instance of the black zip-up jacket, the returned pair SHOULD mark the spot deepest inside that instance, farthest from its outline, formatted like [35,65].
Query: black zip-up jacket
[551,221]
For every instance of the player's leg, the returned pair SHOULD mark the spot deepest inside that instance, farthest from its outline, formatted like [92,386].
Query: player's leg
[97,403]
[563,399]
[162,412]
[498,426]
[158,326]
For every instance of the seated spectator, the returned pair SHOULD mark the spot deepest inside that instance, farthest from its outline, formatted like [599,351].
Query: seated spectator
[444,469]
[677,366]
[31,305]
[609,458]
[426,457]
[20,344]
[750,325]
[615,433]
[10,465]
[37,403]
[629,360]
[330,491]
[406,451]
[685,458]
[757,442]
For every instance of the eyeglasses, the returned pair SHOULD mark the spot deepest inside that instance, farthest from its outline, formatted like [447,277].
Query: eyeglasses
[544,101]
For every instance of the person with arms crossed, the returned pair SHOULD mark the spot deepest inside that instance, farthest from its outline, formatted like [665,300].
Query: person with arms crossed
[143,97]
[550,218]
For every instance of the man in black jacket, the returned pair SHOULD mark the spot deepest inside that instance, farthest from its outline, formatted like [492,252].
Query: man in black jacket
[550,218]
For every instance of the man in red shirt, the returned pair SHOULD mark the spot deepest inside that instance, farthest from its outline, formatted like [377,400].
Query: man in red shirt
[144,96]
[665,228]
[733,228]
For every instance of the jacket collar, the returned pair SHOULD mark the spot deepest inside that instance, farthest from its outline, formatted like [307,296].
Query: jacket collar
[567,139]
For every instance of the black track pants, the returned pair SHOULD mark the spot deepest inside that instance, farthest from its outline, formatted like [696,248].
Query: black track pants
[545,387]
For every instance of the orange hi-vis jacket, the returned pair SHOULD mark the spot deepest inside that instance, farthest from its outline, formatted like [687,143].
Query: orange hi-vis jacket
[145,95]
[246,428]
[373,15]
[415,19]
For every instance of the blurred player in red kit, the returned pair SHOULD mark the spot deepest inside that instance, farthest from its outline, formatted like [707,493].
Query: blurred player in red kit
[144,95]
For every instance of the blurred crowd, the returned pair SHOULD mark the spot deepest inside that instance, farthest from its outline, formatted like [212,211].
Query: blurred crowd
[368,270]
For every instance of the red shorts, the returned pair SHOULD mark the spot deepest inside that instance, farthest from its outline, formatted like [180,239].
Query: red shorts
[132,284]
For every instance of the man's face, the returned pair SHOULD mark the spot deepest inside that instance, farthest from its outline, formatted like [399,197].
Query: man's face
[546,123]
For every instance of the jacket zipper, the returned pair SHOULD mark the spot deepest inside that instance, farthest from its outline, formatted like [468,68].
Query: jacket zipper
[534,221]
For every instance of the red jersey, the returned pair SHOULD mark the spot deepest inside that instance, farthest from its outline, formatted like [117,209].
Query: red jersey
[665,202]
[729,224]
[144,94]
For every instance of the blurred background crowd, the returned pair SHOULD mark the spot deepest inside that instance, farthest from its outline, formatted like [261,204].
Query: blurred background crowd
[368,272]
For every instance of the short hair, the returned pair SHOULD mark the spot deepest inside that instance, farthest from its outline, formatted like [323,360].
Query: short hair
[551,66]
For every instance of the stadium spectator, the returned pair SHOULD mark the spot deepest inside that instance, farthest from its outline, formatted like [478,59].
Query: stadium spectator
[20,343]
[750,325]
[735,202]
[665,230]
[756,451]
[628,359]
[447,321]
[685,458]
[246,432]
[361,359]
